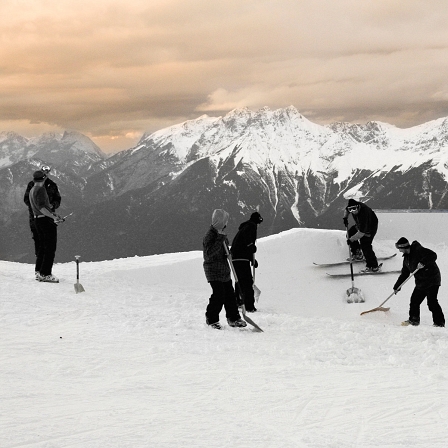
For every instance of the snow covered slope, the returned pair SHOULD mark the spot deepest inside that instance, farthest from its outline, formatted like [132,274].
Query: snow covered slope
[130,362]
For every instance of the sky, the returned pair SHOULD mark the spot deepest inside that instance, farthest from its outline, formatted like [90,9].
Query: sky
[114,70]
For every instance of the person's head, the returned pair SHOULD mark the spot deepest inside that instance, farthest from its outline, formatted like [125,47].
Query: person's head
[353,206]
[220,218]
[256,218]
[39,176]
[403,245]
[45,168]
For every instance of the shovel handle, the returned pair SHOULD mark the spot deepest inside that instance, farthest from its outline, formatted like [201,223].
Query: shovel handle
[77,257]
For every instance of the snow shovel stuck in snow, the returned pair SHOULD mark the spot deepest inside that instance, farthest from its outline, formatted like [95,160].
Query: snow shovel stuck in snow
[78,286]
[353,294]
[380,307]
[257,292]
[243,307]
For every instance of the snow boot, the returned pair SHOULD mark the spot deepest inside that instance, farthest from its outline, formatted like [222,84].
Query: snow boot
[414,323]
[369,270]
[49,278]
[237,323]
[215,325]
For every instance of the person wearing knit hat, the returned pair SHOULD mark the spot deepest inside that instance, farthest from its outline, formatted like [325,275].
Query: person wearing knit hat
[243,255]
[54,199]
[45,221]
[361,233]
[217,273]
[427,280]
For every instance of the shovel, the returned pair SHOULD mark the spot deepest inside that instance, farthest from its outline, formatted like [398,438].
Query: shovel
[257,292]
[353,294]
[78,286]
[380,307]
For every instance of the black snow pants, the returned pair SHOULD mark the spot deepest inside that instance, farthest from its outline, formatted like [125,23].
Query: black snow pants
[222,295]
[417,297]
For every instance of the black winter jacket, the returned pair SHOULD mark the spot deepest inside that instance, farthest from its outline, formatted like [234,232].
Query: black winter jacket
[426,277]
[53,195]
[243,245]
[366,220]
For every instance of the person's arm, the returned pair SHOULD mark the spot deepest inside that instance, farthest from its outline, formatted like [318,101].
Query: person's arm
[405,273]
[26,196]
[213,245]
[43,205]
[357,236]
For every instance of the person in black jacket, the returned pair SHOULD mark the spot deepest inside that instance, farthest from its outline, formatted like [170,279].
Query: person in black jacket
[55,201]
[243,256]
[360,236]
[427,280]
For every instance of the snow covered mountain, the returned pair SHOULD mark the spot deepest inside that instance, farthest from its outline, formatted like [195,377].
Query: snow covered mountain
[71,150]
[158,196]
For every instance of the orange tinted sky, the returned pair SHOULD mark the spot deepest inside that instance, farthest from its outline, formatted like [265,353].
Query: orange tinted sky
[114,69]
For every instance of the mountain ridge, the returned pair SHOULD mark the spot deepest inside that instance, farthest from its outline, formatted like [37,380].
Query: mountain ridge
[157,196]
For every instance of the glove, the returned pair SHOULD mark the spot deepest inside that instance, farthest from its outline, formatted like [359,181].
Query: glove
[345,221]
[57,219]
[255,263]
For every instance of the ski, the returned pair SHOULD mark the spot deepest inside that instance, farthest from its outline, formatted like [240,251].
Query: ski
[340,263]
[359,274]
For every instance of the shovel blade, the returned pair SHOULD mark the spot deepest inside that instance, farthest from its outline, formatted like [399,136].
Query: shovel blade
[378,308]
[249,320]
[79,288]
[355,295]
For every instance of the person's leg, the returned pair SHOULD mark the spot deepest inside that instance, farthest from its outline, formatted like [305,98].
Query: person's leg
[230,305]
[434,306]
[245,283]
[38,237]
[215,303]
[355,247]
[417,297]
[369,254]
[48,240]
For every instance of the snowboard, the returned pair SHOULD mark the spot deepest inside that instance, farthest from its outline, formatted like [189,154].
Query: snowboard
[340,263]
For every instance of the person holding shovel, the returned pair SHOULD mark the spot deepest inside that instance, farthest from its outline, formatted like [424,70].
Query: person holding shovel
[360,236]
[427,280]
[243,255]
[217,272]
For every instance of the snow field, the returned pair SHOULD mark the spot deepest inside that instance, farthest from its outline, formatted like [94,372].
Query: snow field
[131,363]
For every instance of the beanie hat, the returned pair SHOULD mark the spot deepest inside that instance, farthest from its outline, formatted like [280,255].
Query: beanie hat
[402,243]
[352,203]
[256,218]
[39,176]
[220,218]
